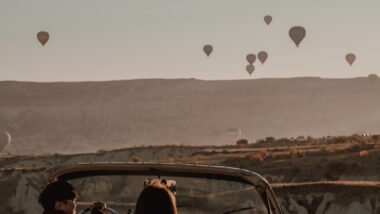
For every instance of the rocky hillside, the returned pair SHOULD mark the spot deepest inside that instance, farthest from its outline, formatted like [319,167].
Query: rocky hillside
[338,175]
[329,199]
[91,116]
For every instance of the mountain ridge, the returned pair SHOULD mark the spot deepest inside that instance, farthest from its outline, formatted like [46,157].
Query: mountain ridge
[89,116]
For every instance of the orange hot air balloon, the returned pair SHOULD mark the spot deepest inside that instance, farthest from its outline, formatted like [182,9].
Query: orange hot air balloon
[263,56]
[250,69]
[208,49]
[297,34]
[267,19]
[5,139]
[251,58]
[350,58]
[43,37]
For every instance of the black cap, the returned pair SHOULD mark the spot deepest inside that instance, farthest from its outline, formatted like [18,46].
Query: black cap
[56,191]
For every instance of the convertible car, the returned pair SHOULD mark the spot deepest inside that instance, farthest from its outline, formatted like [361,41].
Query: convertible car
[198,188]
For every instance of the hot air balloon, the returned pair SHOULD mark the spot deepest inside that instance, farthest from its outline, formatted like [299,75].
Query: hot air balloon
[5,139]
[250,69]
[297,34]
[207,49]
[251,58]
[262,55]
[372,78]
[268,19]
[350,58]
[43,37]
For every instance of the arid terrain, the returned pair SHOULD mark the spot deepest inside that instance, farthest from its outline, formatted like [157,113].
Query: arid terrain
[313,175]
[315,140]
[90,116]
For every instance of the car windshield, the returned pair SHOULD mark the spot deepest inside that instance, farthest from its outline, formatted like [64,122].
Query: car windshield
[193,195]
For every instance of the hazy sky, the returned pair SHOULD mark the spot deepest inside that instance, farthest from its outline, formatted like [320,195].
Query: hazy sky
[122,39]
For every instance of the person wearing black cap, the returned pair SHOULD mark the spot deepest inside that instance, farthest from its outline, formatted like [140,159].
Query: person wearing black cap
[58,197]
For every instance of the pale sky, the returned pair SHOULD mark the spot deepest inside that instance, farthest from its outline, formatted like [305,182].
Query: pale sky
[122,39]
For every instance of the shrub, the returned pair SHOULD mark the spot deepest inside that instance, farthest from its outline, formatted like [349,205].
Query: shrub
[363,153]
[242,142]
[329,149]
[300,138]
[297,153]
[259,141]
[259,155]
[270,139]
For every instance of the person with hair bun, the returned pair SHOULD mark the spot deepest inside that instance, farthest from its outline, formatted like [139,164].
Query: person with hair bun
[156,198]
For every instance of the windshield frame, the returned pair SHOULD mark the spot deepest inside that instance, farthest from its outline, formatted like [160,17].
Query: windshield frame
[72,171]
